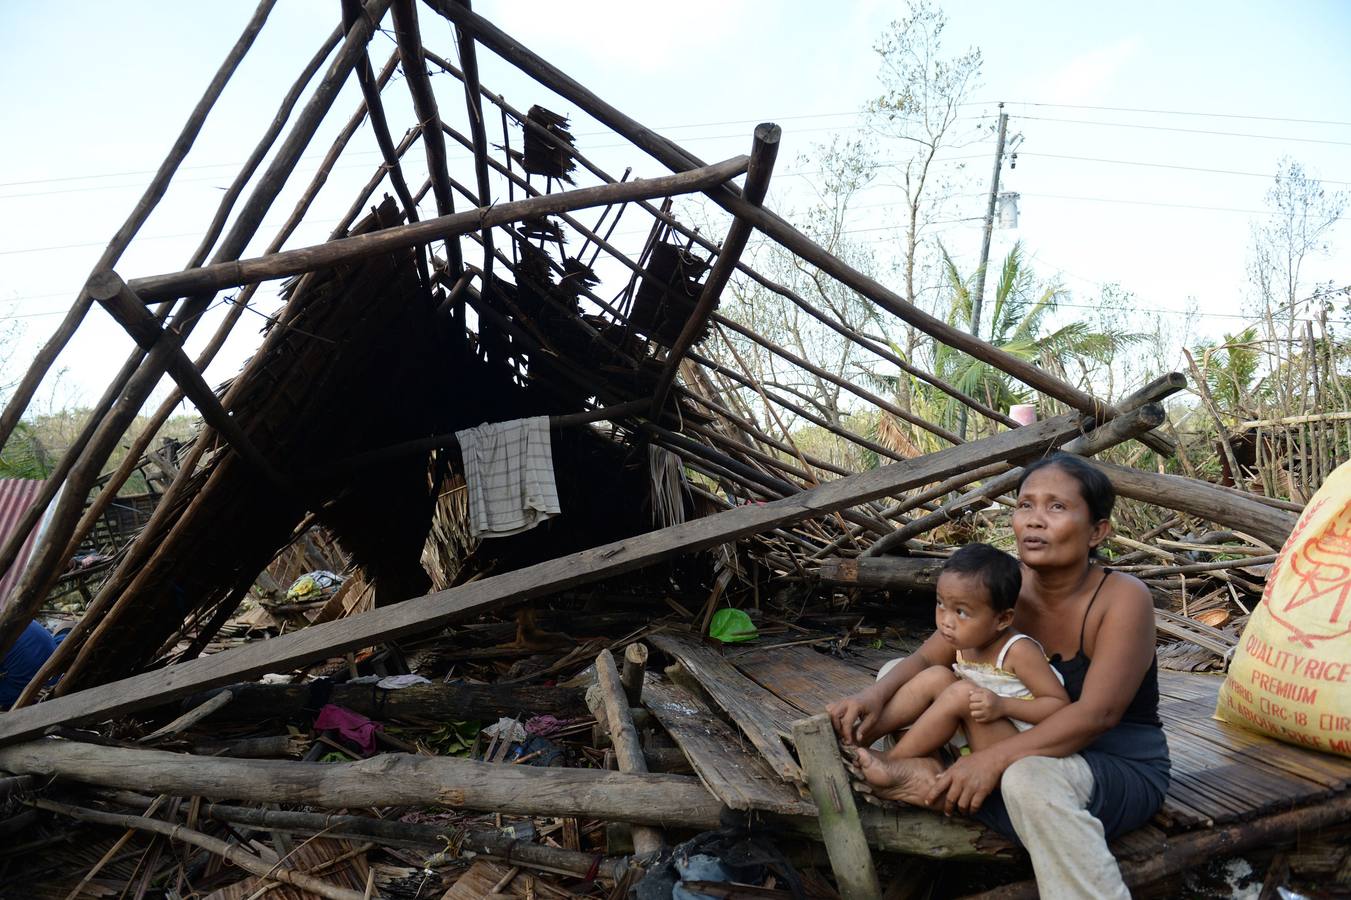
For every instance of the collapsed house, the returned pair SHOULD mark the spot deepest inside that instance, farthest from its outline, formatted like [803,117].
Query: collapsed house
[425,326]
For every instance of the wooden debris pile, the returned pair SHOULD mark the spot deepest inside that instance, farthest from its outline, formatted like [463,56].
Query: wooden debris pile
[488,294]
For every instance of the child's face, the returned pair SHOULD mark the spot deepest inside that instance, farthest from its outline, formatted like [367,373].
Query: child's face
[964,616]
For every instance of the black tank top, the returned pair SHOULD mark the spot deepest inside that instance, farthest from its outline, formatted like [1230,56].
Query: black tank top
[1144,706]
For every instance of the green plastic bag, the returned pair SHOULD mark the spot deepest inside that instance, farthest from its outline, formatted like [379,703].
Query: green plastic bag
[732,626]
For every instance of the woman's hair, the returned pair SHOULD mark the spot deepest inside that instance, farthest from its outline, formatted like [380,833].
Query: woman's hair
[1001,574]
[1095,487]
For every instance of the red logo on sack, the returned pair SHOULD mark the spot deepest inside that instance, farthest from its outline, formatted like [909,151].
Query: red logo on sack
[1321,570]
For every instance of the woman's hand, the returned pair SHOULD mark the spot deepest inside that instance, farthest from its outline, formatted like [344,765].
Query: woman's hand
[853,716]
[986,706]
[965,784]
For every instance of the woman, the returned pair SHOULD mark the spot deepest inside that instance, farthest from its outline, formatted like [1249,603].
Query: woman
[1092,770]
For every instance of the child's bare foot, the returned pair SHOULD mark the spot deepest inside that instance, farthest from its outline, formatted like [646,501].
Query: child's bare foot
[903,780]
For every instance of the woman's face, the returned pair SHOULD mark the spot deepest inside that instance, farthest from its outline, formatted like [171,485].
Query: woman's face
[1052,521]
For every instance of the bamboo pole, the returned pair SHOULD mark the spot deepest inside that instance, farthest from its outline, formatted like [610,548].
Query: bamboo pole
[28,385]
[48,556]
[764,150]
[673,156]
[55,664]
[375,109]
[664,218]
[305,259]
[477,129]
[110,291]
[424,106]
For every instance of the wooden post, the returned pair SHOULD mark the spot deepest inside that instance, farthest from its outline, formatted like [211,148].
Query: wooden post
[850,857]
[628,751]
[764,150]
[1123,428]
[421,615]
[635,665]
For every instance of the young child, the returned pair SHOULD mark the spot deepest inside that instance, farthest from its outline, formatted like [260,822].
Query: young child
[1001,682]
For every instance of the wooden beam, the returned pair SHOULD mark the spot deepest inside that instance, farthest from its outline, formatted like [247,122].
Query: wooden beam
[1202,499]
[766,720]
[391,779]
[420,702]
[764,150]
[885,573]
[850,858]
[424,107]
[406,780]
[1181,852]
[628,752]
[1123,428]
[678,159]
[437,610]
[212,278]
[110,291]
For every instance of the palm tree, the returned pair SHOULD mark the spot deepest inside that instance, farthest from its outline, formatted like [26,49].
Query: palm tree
[1017,325]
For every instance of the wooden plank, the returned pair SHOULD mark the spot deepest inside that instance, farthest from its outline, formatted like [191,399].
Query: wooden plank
[802,677]
[478,882]
[435,611]
[740,779]
[850,857]
[765,719]
[218,276]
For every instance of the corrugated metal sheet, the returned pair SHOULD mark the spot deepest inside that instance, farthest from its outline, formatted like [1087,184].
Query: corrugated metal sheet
[16,495]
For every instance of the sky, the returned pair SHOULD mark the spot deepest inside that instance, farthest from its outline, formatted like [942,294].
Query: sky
[1149,133]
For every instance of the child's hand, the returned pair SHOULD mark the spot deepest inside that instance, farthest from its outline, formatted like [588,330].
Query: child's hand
[986,706]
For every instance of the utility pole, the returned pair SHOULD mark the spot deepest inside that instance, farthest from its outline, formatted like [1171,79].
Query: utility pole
[978,296]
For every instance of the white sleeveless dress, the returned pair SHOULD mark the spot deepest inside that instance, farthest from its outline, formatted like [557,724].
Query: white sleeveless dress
[998,680]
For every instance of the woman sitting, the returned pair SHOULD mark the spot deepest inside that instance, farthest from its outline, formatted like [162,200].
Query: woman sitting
[1097,767]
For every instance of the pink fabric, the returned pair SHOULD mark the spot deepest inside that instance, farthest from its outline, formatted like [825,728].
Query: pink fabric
[351,726]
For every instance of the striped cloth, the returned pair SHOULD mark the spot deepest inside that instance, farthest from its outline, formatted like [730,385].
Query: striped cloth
[509,476]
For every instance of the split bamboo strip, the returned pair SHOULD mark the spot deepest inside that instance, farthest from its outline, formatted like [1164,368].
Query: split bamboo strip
[232,853]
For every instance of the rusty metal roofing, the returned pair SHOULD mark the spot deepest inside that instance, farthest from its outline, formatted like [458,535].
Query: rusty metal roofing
[16,495]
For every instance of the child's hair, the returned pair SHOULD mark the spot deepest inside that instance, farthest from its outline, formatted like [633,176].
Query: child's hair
[1001,574]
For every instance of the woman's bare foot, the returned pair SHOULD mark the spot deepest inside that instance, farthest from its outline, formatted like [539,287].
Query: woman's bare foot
[903,780]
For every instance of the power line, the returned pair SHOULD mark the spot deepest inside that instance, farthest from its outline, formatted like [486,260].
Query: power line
[1153,165]
[1231,209]
[1169,112]
[1239,134]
